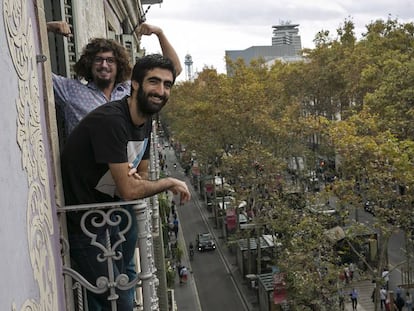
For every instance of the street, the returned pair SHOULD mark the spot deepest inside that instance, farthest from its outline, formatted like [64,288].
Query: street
[217,289]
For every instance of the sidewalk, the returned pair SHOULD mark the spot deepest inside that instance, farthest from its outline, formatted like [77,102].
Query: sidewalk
[186,295]
[364,288]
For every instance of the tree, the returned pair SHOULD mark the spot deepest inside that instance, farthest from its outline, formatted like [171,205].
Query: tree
[390,72]
[348,100]
[374,164]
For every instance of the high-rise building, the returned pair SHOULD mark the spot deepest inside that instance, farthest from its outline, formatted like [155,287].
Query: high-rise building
[286,46]
[287,34]
[188,62]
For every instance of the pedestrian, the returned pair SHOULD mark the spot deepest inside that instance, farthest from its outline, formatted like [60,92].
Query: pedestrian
[347,274]
[105,66]
[173,208]
[388,304]
[351,271]
[175,226]
[386,277]
[183,275]
[95,162]
[179,267]
[383,297]
[354,298]
[408,301]
[191,250]
[162,163]
[342,276]
[373,298]
[398,291]
[341,296]
[399,302]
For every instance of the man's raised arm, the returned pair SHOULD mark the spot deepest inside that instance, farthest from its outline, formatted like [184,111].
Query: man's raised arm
[166,47]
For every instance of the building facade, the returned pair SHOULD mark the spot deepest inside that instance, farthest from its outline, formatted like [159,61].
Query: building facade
[286,46]
[34,263]
[287,35]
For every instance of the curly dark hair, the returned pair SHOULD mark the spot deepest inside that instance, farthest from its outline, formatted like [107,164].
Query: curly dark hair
[149,62]
[83,67]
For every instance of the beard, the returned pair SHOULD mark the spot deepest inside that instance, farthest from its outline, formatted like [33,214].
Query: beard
[102,83]
[145,106]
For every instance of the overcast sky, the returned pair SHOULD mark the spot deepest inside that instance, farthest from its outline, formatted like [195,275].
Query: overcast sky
[206,29]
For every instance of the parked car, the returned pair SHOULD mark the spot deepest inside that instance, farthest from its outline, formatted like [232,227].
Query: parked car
[205,241]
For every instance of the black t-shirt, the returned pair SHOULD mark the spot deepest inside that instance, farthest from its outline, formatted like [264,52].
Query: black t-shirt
[106,135]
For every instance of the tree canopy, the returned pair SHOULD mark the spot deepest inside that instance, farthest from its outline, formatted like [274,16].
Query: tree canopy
[349,102]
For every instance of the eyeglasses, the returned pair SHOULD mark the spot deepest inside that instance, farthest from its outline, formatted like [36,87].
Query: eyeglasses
[99,60]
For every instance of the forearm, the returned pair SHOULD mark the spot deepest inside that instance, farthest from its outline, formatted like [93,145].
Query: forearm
[139,189]
[169,52]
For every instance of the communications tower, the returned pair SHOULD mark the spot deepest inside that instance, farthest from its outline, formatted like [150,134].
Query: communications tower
[188,67]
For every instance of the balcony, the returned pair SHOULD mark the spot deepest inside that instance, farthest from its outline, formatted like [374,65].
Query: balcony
[98,222]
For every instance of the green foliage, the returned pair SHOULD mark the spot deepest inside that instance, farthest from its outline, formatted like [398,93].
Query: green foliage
[349,100]
[164,206]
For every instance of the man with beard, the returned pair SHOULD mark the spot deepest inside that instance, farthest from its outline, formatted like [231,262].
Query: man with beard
[95,165]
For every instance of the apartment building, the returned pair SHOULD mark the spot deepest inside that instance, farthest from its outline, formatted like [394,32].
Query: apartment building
[286,46]
[34,263]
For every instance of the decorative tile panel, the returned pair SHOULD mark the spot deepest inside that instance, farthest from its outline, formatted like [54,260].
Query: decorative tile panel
[29,136]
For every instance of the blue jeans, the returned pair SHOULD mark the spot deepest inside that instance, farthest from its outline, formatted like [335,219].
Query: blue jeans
[129,247]
[85,260]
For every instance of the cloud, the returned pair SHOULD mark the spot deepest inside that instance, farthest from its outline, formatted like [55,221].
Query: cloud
[206,29]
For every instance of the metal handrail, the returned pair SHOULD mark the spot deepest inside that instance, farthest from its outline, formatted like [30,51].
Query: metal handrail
[108,215]
[83,207]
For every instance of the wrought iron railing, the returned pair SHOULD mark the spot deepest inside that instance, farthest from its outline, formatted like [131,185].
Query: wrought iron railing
[108,216]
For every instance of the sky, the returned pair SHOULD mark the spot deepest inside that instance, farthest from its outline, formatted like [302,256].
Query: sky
[206,29]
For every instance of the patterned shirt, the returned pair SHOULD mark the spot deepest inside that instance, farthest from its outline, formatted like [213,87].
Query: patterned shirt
[75,99]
